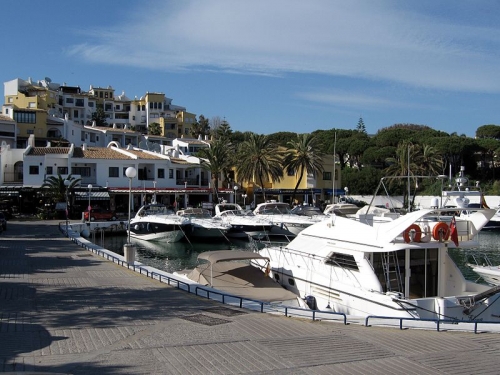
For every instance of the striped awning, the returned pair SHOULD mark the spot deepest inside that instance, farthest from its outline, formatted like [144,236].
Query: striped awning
[94,195]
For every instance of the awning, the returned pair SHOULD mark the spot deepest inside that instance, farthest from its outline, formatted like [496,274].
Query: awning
[94,195]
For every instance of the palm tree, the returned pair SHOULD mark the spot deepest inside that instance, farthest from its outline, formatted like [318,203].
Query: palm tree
[259,159]
[216,159]
[430,161]
[303,155]
[57,189]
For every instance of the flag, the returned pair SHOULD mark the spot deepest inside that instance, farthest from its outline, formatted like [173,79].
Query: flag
[483,201]
[453,231]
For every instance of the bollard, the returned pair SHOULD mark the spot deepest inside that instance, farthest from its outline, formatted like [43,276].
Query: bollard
[129,252]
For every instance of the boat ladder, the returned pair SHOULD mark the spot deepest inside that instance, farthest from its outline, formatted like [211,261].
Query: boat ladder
[392,272]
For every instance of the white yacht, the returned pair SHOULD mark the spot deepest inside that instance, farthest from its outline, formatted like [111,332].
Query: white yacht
[393,266]
[203,226]
[243,223]
[285,221]
[483,266]
[154,222]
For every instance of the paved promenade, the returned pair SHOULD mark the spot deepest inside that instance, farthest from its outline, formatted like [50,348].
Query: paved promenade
[64,310]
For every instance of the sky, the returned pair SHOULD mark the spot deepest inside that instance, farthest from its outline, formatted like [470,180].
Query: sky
[268,66]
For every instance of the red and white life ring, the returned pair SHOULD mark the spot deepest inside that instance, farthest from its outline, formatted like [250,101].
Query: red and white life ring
[441,231]
[412,237]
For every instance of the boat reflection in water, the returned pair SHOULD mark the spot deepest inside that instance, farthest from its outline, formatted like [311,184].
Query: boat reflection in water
[171,257]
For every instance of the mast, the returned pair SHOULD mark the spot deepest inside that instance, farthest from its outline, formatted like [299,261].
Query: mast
[334,156]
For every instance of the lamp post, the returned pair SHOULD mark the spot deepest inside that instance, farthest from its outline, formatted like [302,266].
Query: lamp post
[89,186]
[346,189]
[154,195]
[130,172]
[66,184]
[235,193]
[244,196]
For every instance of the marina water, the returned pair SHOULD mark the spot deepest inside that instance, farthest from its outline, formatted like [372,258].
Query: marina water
[171,257]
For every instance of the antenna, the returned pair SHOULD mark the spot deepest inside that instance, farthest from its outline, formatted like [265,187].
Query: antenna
[48,80]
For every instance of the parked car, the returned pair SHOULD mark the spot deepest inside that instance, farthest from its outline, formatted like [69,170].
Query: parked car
[99,214]
[3,221]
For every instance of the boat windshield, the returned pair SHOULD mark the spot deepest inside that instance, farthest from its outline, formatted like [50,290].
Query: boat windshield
[274,209]
[154,209]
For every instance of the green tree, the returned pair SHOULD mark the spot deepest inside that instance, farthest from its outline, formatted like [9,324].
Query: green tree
[303,156]
[99,116]
[200,127]
[361,126]
[259,160]
[216,159]
[154,128]
[56,188]
[223,131]
[488,131]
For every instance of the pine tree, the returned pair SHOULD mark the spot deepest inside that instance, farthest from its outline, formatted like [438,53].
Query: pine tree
[361,126]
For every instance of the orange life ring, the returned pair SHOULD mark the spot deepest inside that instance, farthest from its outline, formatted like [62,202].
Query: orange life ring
[417,233]
[441,231]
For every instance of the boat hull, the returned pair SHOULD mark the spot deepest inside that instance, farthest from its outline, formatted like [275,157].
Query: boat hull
[153,231]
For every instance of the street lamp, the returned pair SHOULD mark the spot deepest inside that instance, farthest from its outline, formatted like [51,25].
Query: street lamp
[66,184]
[346,189]
[130,172]
[235,193]
[89,186]
[154,195]
[244,196]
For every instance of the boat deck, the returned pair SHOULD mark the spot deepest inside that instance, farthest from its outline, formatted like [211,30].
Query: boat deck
[242,280]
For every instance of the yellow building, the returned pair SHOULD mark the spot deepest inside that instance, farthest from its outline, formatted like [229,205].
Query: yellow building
[312,190]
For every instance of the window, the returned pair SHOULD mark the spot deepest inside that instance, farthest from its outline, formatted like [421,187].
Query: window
[290,172]
[25,117]
[80,102]
[30,131]
[69,100]
[33,169]
[170,173]
[138,107]
[49,170]
[82,171]
[31,105]
[327,176]
[108,107]
[114,172]
[11,100]
[92,137]
[91,104]
[100,94]
[161,173]
[342,260]
[151,105]
[82,136]
[62,170]
[75,113]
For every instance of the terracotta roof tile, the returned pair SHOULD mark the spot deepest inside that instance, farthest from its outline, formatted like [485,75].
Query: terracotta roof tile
[145,155]
[6,118]
[99,153]
[40,151]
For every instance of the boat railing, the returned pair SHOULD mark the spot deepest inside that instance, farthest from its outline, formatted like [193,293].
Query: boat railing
[438,322]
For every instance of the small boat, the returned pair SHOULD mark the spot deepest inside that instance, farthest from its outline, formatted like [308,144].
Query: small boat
[155,222]
[243,223]
[482,265]
[203,226]
[341,209]
[232,272]
[285,222]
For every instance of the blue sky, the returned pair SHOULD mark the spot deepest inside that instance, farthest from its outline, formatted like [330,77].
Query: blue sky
[273,65]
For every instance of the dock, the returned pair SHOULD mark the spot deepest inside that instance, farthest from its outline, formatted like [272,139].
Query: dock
[66,310]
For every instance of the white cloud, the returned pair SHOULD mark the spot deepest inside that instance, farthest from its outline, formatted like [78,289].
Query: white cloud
[363,39]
